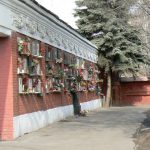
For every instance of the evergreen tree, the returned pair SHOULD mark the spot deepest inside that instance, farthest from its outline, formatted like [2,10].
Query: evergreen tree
[105,23]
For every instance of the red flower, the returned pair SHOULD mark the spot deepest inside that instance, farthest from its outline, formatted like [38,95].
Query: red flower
[24,43]
[35,83]
[25,80]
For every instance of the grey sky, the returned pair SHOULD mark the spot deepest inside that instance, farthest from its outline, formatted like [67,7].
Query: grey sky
[62,8]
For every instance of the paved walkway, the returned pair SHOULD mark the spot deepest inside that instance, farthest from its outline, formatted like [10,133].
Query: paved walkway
[111,129]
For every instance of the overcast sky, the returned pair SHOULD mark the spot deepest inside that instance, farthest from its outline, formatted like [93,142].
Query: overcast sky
[62,8]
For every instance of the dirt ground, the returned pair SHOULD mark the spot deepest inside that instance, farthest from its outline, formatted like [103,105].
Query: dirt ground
[143,134]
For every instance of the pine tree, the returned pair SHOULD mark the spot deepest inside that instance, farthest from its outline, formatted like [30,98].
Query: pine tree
[105,23]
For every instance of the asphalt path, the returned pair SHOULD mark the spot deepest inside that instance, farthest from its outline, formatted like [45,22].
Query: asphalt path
[104,129]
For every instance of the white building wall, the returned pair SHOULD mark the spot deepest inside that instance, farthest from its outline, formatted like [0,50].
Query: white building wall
[33,121]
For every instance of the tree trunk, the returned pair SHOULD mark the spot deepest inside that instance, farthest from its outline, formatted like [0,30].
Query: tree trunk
[76,103]
[109,89]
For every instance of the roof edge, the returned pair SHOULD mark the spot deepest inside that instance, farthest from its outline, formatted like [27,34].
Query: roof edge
[54,15]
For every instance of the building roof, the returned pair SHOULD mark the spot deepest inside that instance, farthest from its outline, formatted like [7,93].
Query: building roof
[64,23]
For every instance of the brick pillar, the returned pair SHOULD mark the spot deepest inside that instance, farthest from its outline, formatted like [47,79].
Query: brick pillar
[6,90]
[43,79]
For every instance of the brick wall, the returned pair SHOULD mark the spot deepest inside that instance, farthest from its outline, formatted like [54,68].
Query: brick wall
[11,102]
[31,103]
[6,90]
[132,93]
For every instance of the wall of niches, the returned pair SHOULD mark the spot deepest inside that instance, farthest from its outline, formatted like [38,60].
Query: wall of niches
[45,75]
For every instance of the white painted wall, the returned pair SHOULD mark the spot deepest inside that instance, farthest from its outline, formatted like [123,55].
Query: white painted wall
[4,32]
[31,122]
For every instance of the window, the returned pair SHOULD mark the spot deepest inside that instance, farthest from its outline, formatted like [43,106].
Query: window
[49,53]
[34,67]
[24,46]
[29,66]
[49,85]
[35,48]
[23,66]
